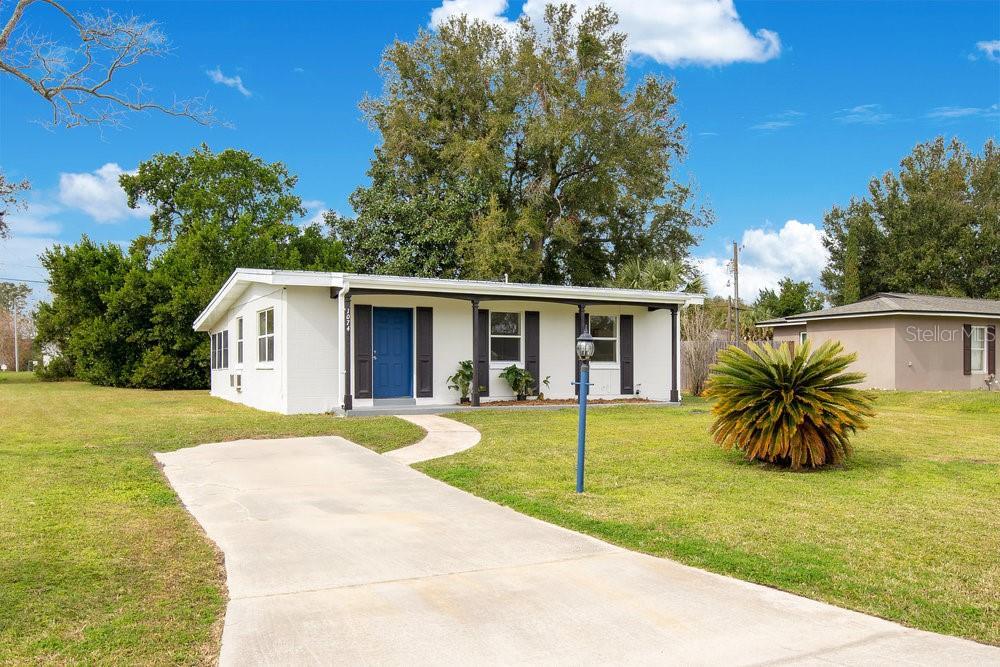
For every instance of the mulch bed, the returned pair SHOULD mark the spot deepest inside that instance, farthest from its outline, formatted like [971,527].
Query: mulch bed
[565,401]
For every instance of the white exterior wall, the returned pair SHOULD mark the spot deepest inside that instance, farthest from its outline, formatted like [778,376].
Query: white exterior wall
[308,376]
[557,336]
[311,347]
[263,384]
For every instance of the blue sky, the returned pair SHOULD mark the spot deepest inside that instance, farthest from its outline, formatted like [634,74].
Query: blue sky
[791,107]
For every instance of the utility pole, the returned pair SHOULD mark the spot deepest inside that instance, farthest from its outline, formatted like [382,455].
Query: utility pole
[17,360]
[736,291]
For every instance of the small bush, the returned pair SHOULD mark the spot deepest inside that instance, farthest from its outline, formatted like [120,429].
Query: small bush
[58,368]
[791,409]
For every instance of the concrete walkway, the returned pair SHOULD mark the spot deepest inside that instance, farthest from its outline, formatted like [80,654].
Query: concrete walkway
[444,436]
[337,555]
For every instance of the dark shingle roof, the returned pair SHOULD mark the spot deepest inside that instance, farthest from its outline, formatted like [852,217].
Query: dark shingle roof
[893,302]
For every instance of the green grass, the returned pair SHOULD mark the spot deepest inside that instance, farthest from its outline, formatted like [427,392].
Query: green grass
[99,562]
[908,530]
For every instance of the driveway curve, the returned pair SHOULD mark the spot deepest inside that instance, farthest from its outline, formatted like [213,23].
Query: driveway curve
[338,555]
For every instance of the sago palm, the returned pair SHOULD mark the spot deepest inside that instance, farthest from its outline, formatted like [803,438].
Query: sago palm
[790,408]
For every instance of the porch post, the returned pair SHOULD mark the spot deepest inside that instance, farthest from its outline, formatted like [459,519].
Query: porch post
[475,353]
[348,399]
[675,337]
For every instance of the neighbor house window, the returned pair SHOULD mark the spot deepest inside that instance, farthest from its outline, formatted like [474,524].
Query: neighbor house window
[505,336]
[604,329]
[978,349]
[265,335]
[239,341]
[802,337]
[220,350]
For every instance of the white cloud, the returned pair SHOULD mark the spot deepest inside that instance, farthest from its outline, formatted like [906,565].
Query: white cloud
[236,82]
[98,194]
[796,251]
[778,121]
[990,49]
[33,220]
[964,112]
[674,32]
[864,114]
[315,210]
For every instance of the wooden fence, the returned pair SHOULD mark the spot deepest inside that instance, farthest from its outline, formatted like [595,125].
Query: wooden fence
[696,360]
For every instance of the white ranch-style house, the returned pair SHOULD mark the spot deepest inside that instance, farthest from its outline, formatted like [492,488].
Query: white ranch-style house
[312,342]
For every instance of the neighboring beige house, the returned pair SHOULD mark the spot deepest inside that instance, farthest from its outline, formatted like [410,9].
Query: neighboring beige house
[907,341]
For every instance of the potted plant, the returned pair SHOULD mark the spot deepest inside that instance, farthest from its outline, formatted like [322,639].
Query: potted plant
[461,381]
[520,381]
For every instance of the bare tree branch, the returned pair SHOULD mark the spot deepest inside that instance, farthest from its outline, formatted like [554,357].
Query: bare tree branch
[11,198]
[81,83]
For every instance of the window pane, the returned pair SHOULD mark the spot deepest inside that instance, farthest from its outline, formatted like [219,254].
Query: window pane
[602,326]
[261,349]
[506,324]
[270,321]
[270,348]
[978,337]
[239,328]
[505,349]
[239,351]
[978,360]
[261,323]
[604,350]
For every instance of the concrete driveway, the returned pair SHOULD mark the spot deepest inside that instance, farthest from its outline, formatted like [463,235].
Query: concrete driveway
[337,555]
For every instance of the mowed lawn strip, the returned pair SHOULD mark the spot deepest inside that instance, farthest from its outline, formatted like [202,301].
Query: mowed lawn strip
[908,530]
[99,561]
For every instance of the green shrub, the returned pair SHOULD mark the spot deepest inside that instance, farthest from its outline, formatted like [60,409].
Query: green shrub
[791,409]
[58,368]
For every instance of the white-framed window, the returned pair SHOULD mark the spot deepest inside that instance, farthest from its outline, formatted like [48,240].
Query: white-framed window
[802,337]
[604,329]
[239,341]
[265,335]
[220,350]
[505,336]
[978,346]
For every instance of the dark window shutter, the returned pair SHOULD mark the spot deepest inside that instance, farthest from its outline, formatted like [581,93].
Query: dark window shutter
[627,354]
[531,361]
[425,352]
[483,362]
[225,348]
[967,349]
[579,330]
[363,351]
[991,348]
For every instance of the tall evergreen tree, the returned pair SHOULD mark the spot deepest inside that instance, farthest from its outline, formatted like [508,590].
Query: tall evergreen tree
[523,152]
[932,228]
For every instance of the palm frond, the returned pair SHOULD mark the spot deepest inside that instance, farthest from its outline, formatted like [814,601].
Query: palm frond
[792,408]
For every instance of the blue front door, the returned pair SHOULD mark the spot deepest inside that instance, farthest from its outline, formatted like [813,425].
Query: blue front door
[393,352]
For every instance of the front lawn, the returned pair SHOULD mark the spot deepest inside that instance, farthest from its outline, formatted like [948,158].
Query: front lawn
[909,530]
[99,562]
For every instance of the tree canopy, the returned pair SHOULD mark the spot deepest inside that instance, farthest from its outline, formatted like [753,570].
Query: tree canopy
[933,228]
[124,318]
[791,298]
[520,152]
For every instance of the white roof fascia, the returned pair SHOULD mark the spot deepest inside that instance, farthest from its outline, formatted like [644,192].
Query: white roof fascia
[226,295]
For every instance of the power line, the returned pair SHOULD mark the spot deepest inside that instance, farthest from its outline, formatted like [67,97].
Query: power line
[25,280]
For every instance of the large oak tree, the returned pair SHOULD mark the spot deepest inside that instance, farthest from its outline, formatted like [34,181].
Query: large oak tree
[933,228]
[523,152]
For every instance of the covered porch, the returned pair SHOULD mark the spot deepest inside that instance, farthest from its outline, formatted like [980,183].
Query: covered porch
[402,339]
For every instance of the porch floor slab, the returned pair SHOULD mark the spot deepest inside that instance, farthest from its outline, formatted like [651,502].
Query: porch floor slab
[399,411]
